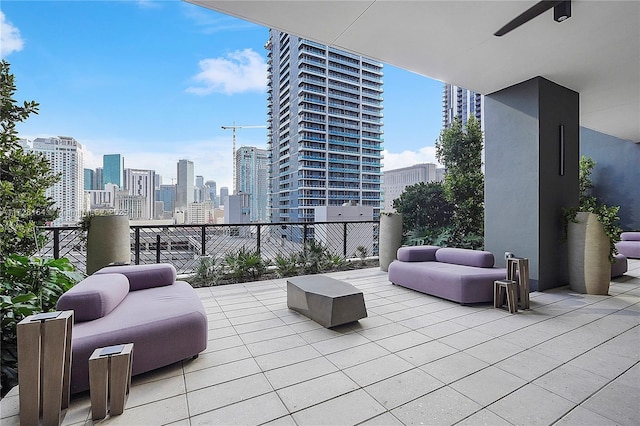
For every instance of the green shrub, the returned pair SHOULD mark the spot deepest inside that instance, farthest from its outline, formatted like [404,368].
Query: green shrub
[287,266]
[29,285]
[208,273]
[244,265]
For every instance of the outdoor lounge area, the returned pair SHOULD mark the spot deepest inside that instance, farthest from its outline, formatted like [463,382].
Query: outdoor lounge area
[571,359]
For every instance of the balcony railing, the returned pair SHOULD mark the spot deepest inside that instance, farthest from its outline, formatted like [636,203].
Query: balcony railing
[184,245]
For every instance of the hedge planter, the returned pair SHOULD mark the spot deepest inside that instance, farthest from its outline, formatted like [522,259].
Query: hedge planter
[108,242]
[589,265]
[390,238]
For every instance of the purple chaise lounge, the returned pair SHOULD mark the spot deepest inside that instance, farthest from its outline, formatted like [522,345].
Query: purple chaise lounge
[462,275]
[141,304]
[629,244]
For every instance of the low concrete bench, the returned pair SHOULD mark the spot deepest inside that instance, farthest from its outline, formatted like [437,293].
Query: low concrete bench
[327,301]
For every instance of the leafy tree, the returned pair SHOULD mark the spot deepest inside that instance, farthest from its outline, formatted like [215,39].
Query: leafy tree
[24,178]
[459,149]
[426,213]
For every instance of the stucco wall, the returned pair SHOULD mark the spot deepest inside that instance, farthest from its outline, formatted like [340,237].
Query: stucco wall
[616,177]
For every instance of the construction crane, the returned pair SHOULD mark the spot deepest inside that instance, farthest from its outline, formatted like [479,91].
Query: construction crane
[233,155]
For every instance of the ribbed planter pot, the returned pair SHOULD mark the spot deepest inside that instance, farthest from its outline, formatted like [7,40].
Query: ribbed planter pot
[108,241]
[390,239]
[588,245]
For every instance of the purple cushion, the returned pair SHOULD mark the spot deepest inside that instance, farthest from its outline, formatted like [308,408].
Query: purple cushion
[95,296]
[417,253]
[630,236]
[467,257]
[629,248]
[144,276]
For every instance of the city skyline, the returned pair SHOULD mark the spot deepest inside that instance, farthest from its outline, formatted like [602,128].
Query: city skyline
[157,87]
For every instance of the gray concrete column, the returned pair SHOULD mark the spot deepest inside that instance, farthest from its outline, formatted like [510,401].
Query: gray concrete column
[524,189]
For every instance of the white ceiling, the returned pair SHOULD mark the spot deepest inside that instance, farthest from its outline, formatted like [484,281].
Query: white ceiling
[596,52]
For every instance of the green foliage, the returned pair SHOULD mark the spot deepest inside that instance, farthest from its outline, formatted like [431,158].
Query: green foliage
[24,178]
[316,258]
[287,266]
[459,149]
[607,215]
[362,253]
[244,265]
[208,273]
[425,212]
[29,285]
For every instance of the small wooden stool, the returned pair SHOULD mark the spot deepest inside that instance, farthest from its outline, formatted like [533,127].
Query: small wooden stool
[44,363]
[521,266]
[109,370]
[499,288]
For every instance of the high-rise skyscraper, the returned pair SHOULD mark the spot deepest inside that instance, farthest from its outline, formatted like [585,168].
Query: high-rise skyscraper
[66,157]
[113,169]
[252,177]
[198,196]
[98,183]
[224,193]
[142,183]
[89,179]
[213,192]
[460,102]
[185,187]
[167,194]
[325,128]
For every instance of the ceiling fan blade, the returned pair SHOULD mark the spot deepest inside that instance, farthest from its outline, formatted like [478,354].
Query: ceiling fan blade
[527,15]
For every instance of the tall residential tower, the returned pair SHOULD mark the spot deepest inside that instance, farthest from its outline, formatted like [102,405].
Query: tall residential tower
[252,171]
[325,128]
[460,102]
[66,157]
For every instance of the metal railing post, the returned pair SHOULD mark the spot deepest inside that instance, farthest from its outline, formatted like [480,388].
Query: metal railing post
[304,234]
[158,248]
[56,244]
[203,240]
[258,238]
[137,240]
[344,248]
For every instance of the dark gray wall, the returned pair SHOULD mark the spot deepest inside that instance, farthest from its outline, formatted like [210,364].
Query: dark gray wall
[524,192]
[616,176]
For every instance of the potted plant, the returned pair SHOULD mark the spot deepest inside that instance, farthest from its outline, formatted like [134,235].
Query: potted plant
[390,238]
[108,239]
[592,231]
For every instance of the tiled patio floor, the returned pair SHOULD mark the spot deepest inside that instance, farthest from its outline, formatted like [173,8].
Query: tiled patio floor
[571,359]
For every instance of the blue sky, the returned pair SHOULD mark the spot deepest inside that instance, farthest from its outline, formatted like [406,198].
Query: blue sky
[156,80]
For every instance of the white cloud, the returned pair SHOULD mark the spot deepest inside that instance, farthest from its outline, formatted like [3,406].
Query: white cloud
[238,72]
[148,4]
[10,40]
[409,158]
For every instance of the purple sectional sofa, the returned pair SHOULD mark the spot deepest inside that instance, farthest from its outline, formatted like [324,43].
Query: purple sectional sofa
[629,244]
[143,305]
[462,275]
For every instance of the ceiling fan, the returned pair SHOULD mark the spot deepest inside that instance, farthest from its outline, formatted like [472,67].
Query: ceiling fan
[561,12]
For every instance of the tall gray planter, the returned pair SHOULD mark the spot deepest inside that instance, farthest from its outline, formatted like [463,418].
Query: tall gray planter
[588,246]
[108,241]
[390,238]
